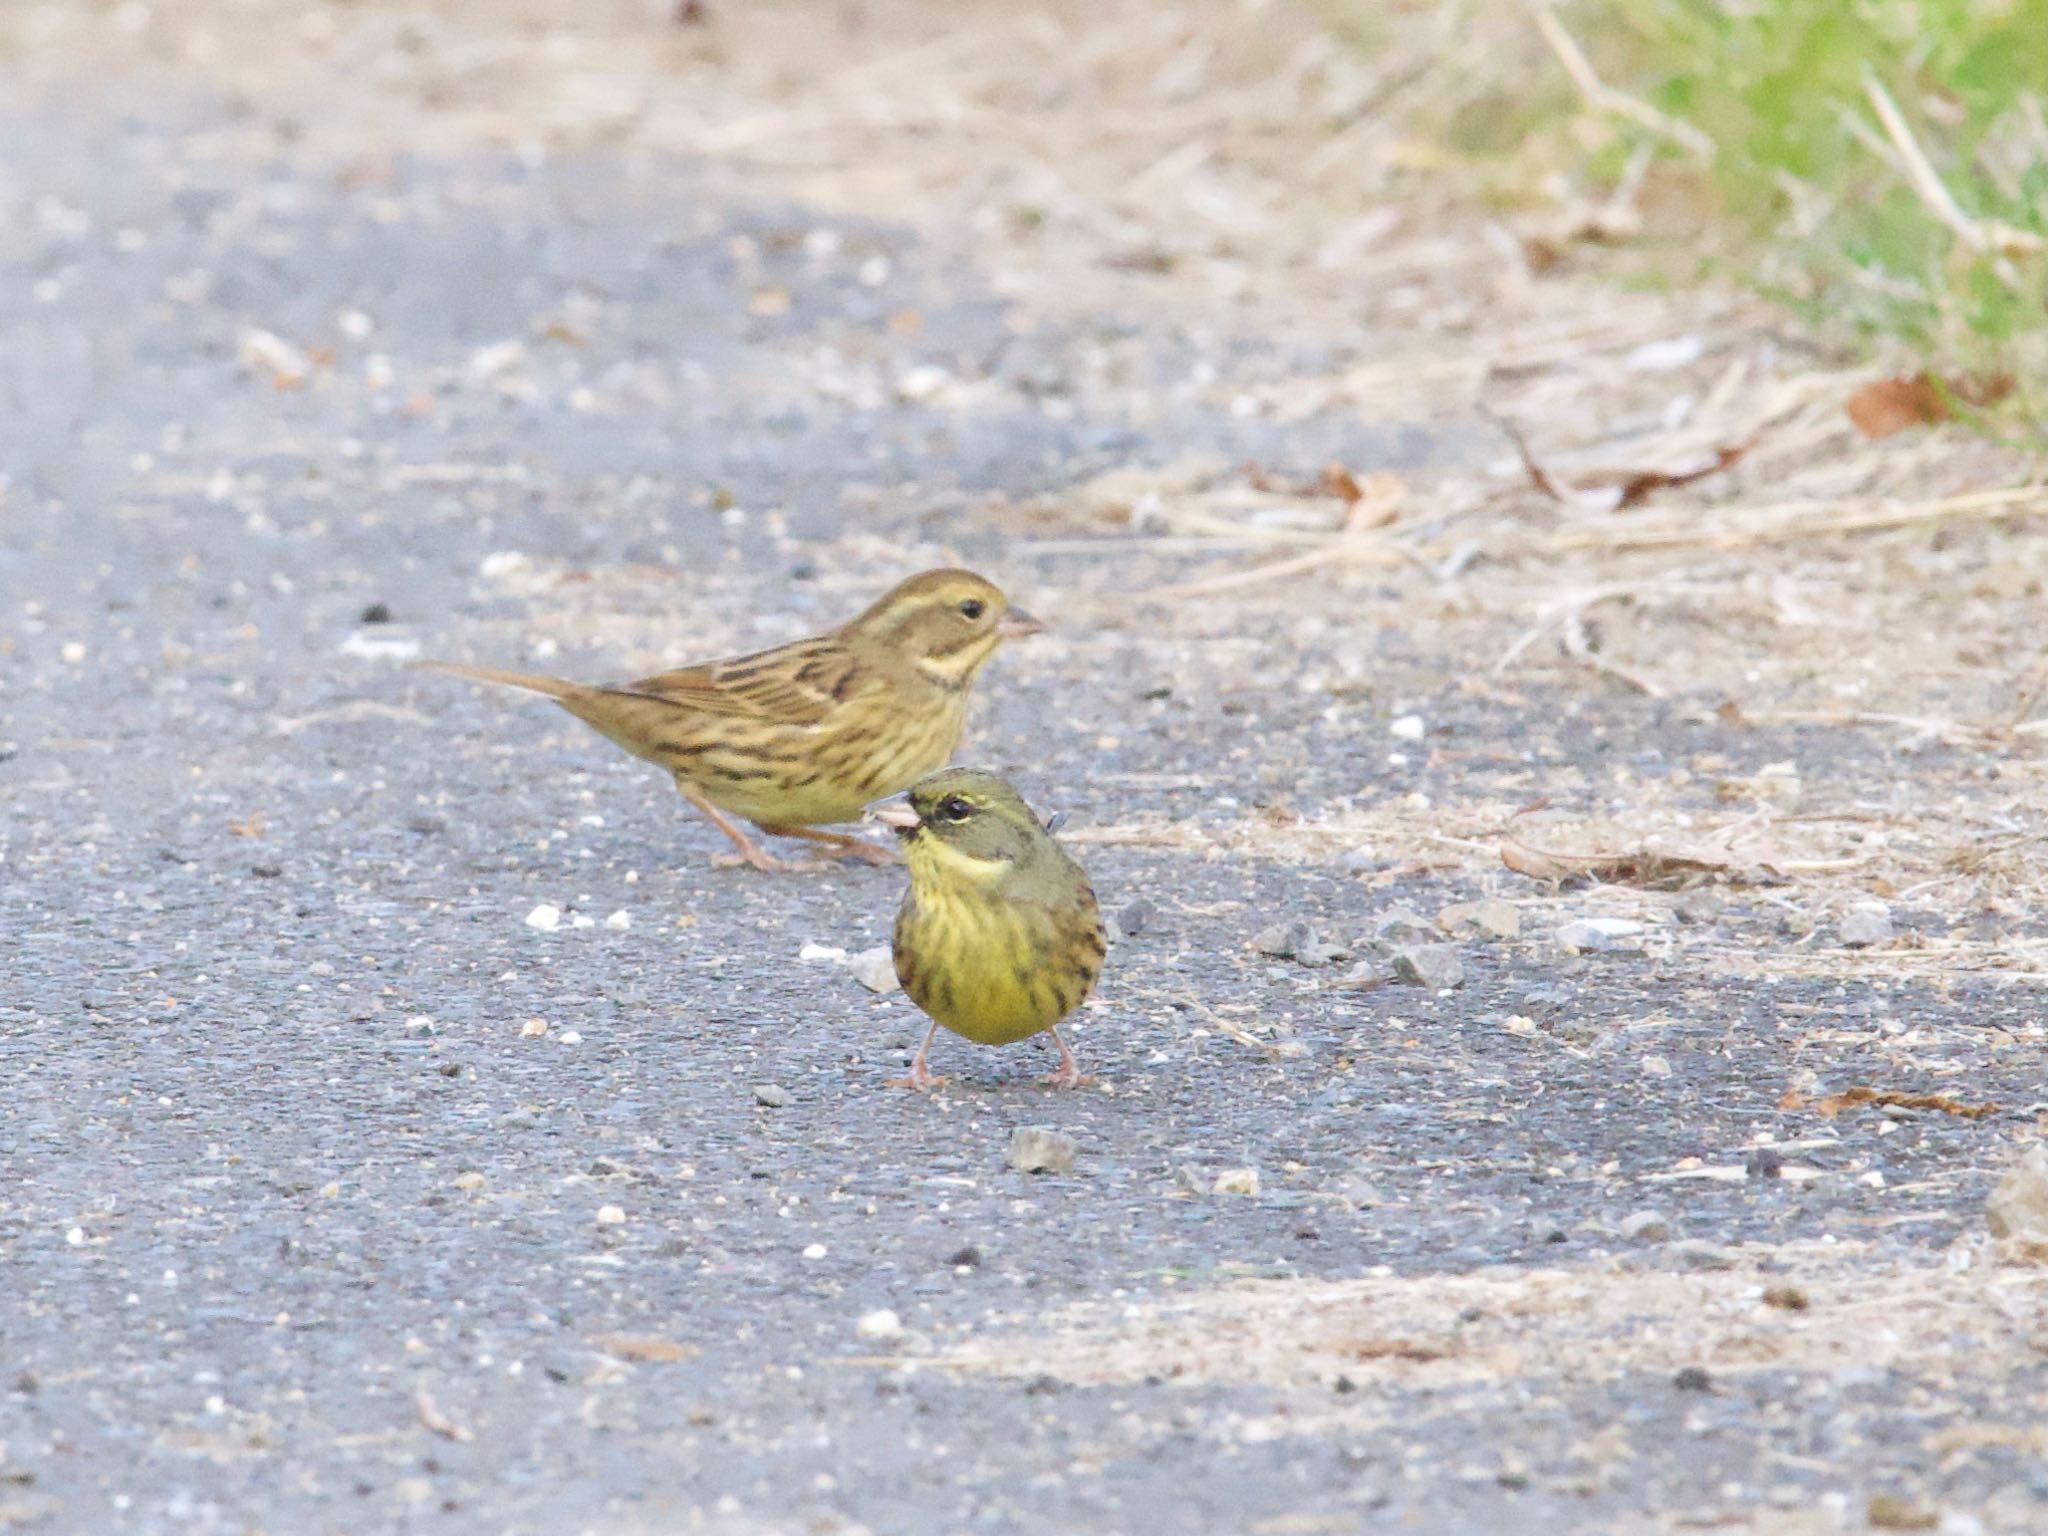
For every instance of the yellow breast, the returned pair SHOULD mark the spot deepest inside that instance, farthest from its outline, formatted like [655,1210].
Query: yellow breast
[989,970]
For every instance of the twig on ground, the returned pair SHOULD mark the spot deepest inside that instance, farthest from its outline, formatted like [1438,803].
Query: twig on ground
[1986,235]
[1604,97]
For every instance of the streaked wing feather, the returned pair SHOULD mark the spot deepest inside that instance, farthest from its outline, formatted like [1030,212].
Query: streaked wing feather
[791,685]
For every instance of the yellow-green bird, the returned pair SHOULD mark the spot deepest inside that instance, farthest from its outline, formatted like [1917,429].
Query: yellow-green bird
[999,936]
[811,732]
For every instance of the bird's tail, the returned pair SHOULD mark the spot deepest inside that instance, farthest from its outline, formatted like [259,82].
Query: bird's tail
[553,687]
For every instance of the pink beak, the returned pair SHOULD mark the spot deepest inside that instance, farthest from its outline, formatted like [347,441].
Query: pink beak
[1016,624]
[896,815]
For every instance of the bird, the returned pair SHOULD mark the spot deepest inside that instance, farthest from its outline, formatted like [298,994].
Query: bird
[808,733]
[999,936]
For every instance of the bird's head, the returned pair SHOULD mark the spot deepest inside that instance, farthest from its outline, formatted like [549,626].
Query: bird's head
[945,623]
[965,823]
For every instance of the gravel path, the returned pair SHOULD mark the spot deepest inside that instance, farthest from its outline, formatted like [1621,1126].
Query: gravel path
[336,1194]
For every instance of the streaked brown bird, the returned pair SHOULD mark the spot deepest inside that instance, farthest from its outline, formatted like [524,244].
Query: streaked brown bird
[999,937]
[807,733]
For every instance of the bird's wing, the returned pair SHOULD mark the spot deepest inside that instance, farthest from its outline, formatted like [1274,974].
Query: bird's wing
[796,684]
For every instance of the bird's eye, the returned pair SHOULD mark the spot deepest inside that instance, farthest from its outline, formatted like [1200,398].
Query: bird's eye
[953,808]
[973,608]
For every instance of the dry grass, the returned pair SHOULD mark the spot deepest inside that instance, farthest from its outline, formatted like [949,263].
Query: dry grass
[1806,1310]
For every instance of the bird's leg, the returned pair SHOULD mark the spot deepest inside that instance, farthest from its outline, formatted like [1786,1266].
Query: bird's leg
[1068,1073]
[921,1076]
[750,852]
[836,845]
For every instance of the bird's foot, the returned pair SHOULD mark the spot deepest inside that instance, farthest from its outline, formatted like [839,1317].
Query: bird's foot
[921,1079]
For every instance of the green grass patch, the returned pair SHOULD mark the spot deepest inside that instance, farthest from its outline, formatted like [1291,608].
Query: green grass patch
[1879,165]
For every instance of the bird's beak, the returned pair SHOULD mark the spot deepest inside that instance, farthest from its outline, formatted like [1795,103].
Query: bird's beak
[896,815]
[1016,624]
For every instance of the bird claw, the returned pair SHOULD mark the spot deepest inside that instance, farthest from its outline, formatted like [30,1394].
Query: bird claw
[921,1081]
[1068,1077]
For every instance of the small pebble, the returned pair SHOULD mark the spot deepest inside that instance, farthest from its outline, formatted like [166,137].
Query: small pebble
[1864,928]
[1591,935]
[1693,1378]
[771,1095]
[1236,1181]
[1655,1066]
[469,1181]
[1402,925]
[619,921]
[1137,917]
[376,613]
[419,1026]
[1698,905]
[1435,966]
[879,1324]
[1646,1227]
[1493,917]
[814,1251]
[1041,1149]
[544,918]
[1407,728]
[611,1216]
[1297,941]
[874,969]
[533,1029]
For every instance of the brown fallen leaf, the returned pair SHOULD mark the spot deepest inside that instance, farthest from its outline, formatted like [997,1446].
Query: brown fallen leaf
[649,1347]
[1917,400]
[1833,1104]
[1631,487]
[1395,1349]
[1640,867]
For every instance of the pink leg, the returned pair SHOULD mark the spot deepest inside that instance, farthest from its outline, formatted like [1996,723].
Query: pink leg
[921,1076]
[750,852]
[1068,1073]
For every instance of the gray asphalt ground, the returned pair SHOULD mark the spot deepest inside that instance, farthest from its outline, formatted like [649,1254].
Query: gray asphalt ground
[305,1228]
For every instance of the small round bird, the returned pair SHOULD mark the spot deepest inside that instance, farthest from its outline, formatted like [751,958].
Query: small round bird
[999,936]
[808,733]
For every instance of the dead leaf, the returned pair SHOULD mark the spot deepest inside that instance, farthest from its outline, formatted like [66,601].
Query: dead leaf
[651,1348]
[1396,1349]
[1918,400]
[254,827]
[1833,1104]
[1631,487]
[1645,482]
[1643,867]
